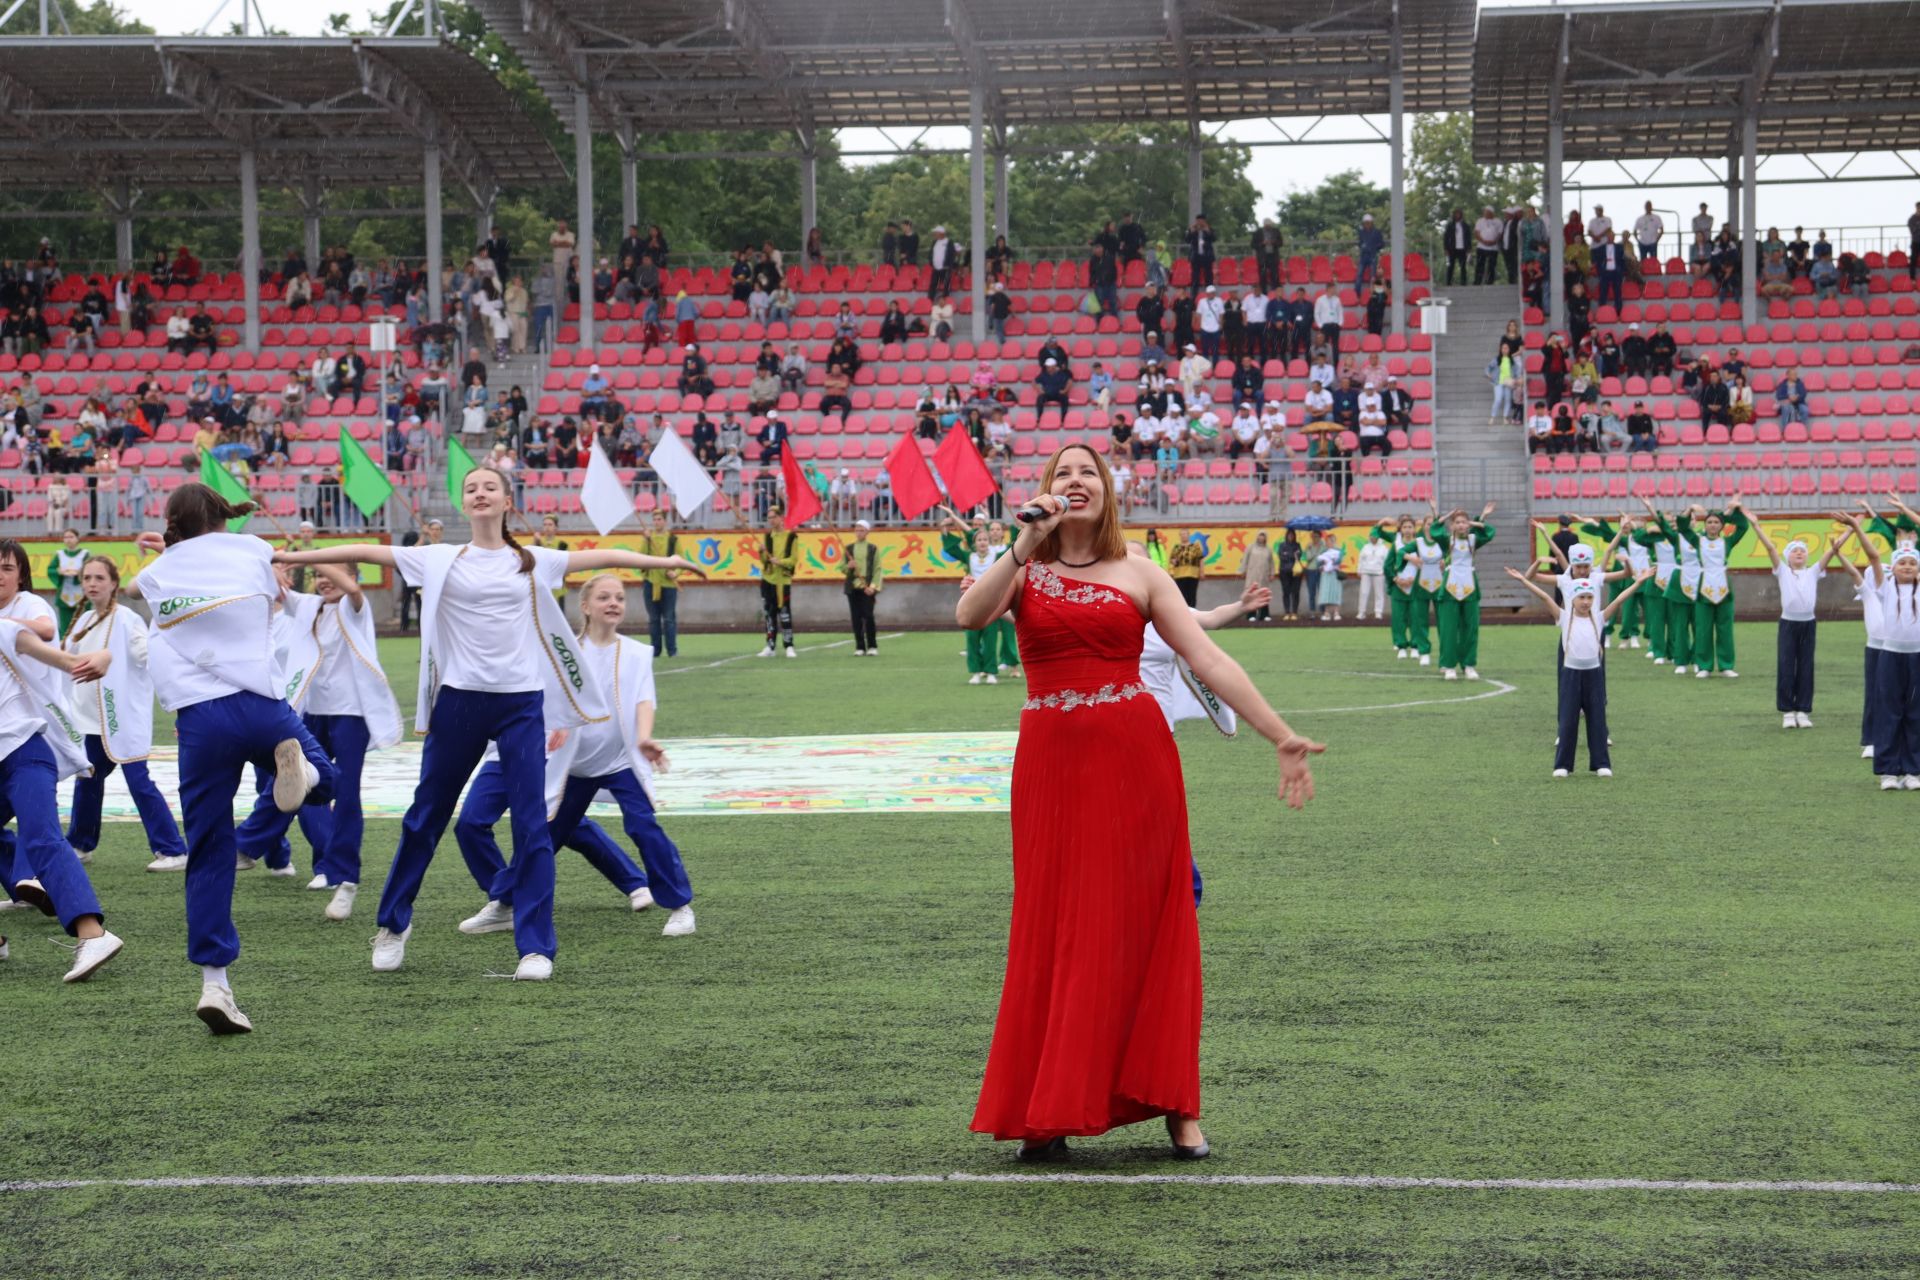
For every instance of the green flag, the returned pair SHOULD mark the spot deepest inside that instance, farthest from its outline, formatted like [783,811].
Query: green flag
[361,478]
[222,482]
[459,462]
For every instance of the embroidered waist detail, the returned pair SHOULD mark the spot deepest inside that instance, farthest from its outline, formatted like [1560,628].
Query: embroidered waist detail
[1069,699]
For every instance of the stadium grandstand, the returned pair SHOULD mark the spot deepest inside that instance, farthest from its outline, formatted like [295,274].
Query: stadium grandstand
[1563,84]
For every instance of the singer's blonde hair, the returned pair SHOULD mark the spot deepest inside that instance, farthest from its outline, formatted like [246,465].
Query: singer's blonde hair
[1108,542]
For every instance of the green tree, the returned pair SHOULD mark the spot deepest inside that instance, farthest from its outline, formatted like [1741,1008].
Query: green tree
[1332,210]
[1442,174]
[1091,173]
[101,18]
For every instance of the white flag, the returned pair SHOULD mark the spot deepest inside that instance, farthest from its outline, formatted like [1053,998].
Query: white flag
[604,498]
[681,472]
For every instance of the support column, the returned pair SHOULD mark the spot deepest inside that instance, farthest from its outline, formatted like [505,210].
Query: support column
[1733,188]
[977,204]
[436,303]
[809,196]
[583,231]
[1556,243]
[250,247]
[1194,172]
[1397,183]
[483,217]
[1002,215]
[123,227]
[310,200]
[1749,216]
[629,181]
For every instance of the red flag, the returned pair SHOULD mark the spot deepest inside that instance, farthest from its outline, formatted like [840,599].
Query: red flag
[803,504]
[913,485]
[969,483]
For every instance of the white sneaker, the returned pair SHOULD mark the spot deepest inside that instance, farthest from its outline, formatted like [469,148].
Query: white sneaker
[1603,773]
[1633,642]
[859,653]
[318,882]
[4,950]
[178,862]
[979,677]
[91,954]
[1452,674]
[1002,667]
[1788,722]
[1802,719]
[765,653]
[1866,752]
[1608,644]
[1559,773]
[289,871]
[641,898]
[1426,659]
[495,917]
[533,968]
[1910,783]
[1399,653]
[1679,668]
[241,862]
[679,924]
[34,894]
[85,856]
[341,907]
[1472,674]
[293,776]
[1731,674]
[390,949]
[219,1012]
[1701,674]
[1889,784]
[1658,662]
[792,652]
[993,679]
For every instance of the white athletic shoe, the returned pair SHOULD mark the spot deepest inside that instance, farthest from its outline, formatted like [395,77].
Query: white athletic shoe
[765,653]
[792,652]
[859,653]
[1889,784]
[1472,674]
[1802,719]
[178,862]
[1910,783]
[219,1012]
[91,954]
[241,862]
[1866,752]
[495,917]
[978,677]
[289,871]
[641,898]
[8,904]
[1559,773]
[1452,674]
[1788,722]
[341,906]
[1731,674]
[318,882]
[390,949]
[1426,659]
[1001,667]
[1679,668]
[533,968]
[1608,644]
[1399,653]
[1658,662]
[1701,674]
[4,951]
[85,856]
[1603,773]
[993,679]
[293,775]
[679,924]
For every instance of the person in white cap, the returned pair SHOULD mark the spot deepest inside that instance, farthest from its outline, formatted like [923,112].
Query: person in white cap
[1799,578]
[1892,593]
[943,256]
[1195,370]
[863,573]
[1209,315]
[1583,675]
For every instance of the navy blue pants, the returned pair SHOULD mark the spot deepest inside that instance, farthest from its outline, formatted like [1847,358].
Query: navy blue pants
[217,740]
[666,874]
[30,799]
[1896,720]
[1583,692]
[333,831]
[1793,679]
[486,802]
[464,721]
[83,827]
[1871,701]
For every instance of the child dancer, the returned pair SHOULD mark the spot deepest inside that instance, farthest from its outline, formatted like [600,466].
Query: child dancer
[1005,652]
[1683,588]
[115,713]
[1646,548]
[1327,561]
[68,561]
[1876,649]
[982,646]
[497,663]
[1459,603]
[17,600]
[1799,588]
[1713,607]
[334,680]
[1583,673]
[210,654]
[1896,727]
[619,756]
[1402,571]
[38,747]
[1623,561]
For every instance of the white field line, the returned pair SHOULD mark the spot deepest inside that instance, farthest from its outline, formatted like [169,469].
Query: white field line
[742,657]
[1497,689]
[1356,1182]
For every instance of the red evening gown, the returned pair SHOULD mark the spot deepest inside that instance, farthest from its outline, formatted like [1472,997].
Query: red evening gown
[1100,1013]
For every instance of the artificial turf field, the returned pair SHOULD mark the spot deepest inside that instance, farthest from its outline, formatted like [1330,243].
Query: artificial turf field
[1447,966]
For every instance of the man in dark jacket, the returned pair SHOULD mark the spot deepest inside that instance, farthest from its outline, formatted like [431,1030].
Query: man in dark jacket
[1150,310]
[1133,238]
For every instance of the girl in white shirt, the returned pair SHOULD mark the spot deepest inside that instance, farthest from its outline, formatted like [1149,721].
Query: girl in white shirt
[115,714]
[1799,580]
[1896,722]
[1583,675]
[210,653]
[496,665]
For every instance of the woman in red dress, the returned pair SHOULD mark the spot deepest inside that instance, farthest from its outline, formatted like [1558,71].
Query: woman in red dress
[1099,1020]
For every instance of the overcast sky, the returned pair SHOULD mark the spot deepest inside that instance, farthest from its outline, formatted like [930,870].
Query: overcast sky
[1276,170]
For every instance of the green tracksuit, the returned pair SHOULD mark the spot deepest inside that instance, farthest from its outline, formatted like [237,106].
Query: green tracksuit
[1679,596]
[1652,600]
[1713,606]
[1402,572]
[1458,608]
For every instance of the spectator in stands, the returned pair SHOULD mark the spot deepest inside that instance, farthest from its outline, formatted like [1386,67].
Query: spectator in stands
[200,331]
[943,256]
[1146,436]
[1716,401]
[1457,239]
[1798,250]
[1195,370]
[1243,430]
[834,394]
[1773,244]
[1647,230]
[1822,247]
[1249,383]
[694,380]
[1826,279]
[186,268]
[1791,396]
[1488,233]
[1700,255]
[1181,305]
[1563,435]
[1606,356]
[763,393]
[772,437]
[1579,312]
[1610,265]
[1372,424]
[1201,251]
[1397,403]
[1150,310]
[1377,309]
[1052,387]
[221,405]
[1913,242]
[1103,275]
[561,245]
[179,337]
[1100,387]
[1726,265]
[1855,278]
[1158,274]
[844,355]
[1583,377]
[349,374]
[1130,238]
[909,244]
[940,318]
[1203,432]
[1329,314]
[1703,223]
[1371,240]
[1209,316]
[1739,400]
[1634,358]
[1299,321]
[1555,364]
[793,369]
[1662,350]
[1321,371]
[1642,435]
[893,325]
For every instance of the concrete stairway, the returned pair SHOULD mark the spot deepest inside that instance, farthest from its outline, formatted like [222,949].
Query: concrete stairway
[1478,462]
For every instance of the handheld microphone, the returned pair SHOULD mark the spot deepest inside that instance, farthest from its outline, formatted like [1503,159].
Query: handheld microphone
[1034,513]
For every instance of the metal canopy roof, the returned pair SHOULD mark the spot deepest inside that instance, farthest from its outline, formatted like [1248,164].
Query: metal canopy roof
[802,64]
[80,111]
[1669,79]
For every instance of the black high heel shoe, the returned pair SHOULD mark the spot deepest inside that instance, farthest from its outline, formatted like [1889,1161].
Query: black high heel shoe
[1046,1153]
[1200,1152]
